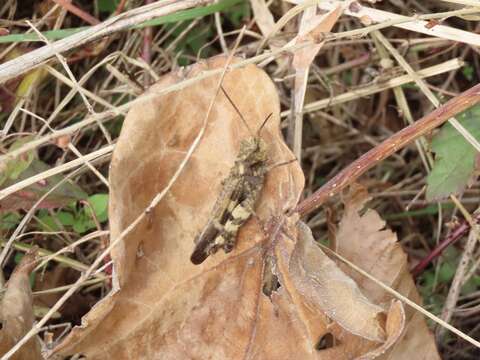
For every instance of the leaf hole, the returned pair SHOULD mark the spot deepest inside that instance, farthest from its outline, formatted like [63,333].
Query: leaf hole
[270,285]
[325,342]
[77,357]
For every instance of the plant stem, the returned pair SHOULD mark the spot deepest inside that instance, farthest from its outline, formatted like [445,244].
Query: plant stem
[389,146]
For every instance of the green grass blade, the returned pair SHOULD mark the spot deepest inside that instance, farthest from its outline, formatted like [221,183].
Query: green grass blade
[171,18]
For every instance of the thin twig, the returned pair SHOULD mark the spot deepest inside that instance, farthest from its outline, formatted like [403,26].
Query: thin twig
[120,22]
[449,65]
[394,143]
[454,291]
[425,89]
[415,23]
[454,235]
[74,81]
[221,36]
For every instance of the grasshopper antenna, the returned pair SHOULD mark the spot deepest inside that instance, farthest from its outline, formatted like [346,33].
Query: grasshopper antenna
[237,110]
[263,124]
[282,163]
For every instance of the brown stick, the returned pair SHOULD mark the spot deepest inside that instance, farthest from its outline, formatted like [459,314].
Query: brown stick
[394,143]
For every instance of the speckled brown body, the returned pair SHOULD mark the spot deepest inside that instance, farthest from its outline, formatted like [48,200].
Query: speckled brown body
[236,201]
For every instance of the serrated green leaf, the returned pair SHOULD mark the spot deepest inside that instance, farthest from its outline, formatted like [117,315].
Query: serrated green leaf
[455,158]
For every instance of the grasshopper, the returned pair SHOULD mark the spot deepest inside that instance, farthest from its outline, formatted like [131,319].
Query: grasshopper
[236,201]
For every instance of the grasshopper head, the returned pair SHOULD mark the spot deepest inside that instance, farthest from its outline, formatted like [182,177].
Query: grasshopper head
[252,151]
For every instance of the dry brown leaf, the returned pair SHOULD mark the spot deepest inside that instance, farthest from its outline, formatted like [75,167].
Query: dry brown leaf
[323,288]
[228,307]
[312,27]
[363,240]
[16,311]
[263,16]
[323,284]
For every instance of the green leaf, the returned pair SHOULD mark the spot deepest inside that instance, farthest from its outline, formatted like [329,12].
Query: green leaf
[9,220]
[455,158]
[48,223]
[63,195]
[468,72]
[13,168]
[193,42]
[107,5]
[18,257]
[469,287]
[99,205]
[446,272]
[65,218]
[83,224]
[476,280]
[236,14]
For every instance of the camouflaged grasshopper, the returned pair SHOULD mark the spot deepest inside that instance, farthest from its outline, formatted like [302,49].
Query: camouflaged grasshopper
[236,201]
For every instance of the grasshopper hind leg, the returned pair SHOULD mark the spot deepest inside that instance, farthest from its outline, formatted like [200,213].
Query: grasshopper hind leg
[240,214]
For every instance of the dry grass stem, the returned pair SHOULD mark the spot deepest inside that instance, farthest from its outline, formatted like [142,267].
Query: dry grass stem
[120,22]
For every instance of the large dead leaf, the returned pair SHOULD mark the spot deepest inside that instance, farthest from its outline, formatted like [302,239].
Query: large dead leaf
[363,240]
[229,307]
[16,312]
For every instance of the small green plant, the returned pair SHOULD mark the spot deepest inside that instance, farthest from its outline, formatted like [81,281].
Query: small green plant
[78,219]
[433,280]
[456,160]
[9,220]
[468,71]
[107,5]
[238,13]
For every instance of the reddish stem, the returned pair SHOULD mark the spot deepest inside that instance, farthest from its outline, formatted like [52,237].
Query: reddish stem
[454,235]
[120,7]
[394,143]
[78,12]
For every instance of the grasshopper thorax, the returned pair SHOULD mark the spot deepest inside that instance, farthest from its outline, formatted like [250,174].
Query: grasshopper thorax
[253,150]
